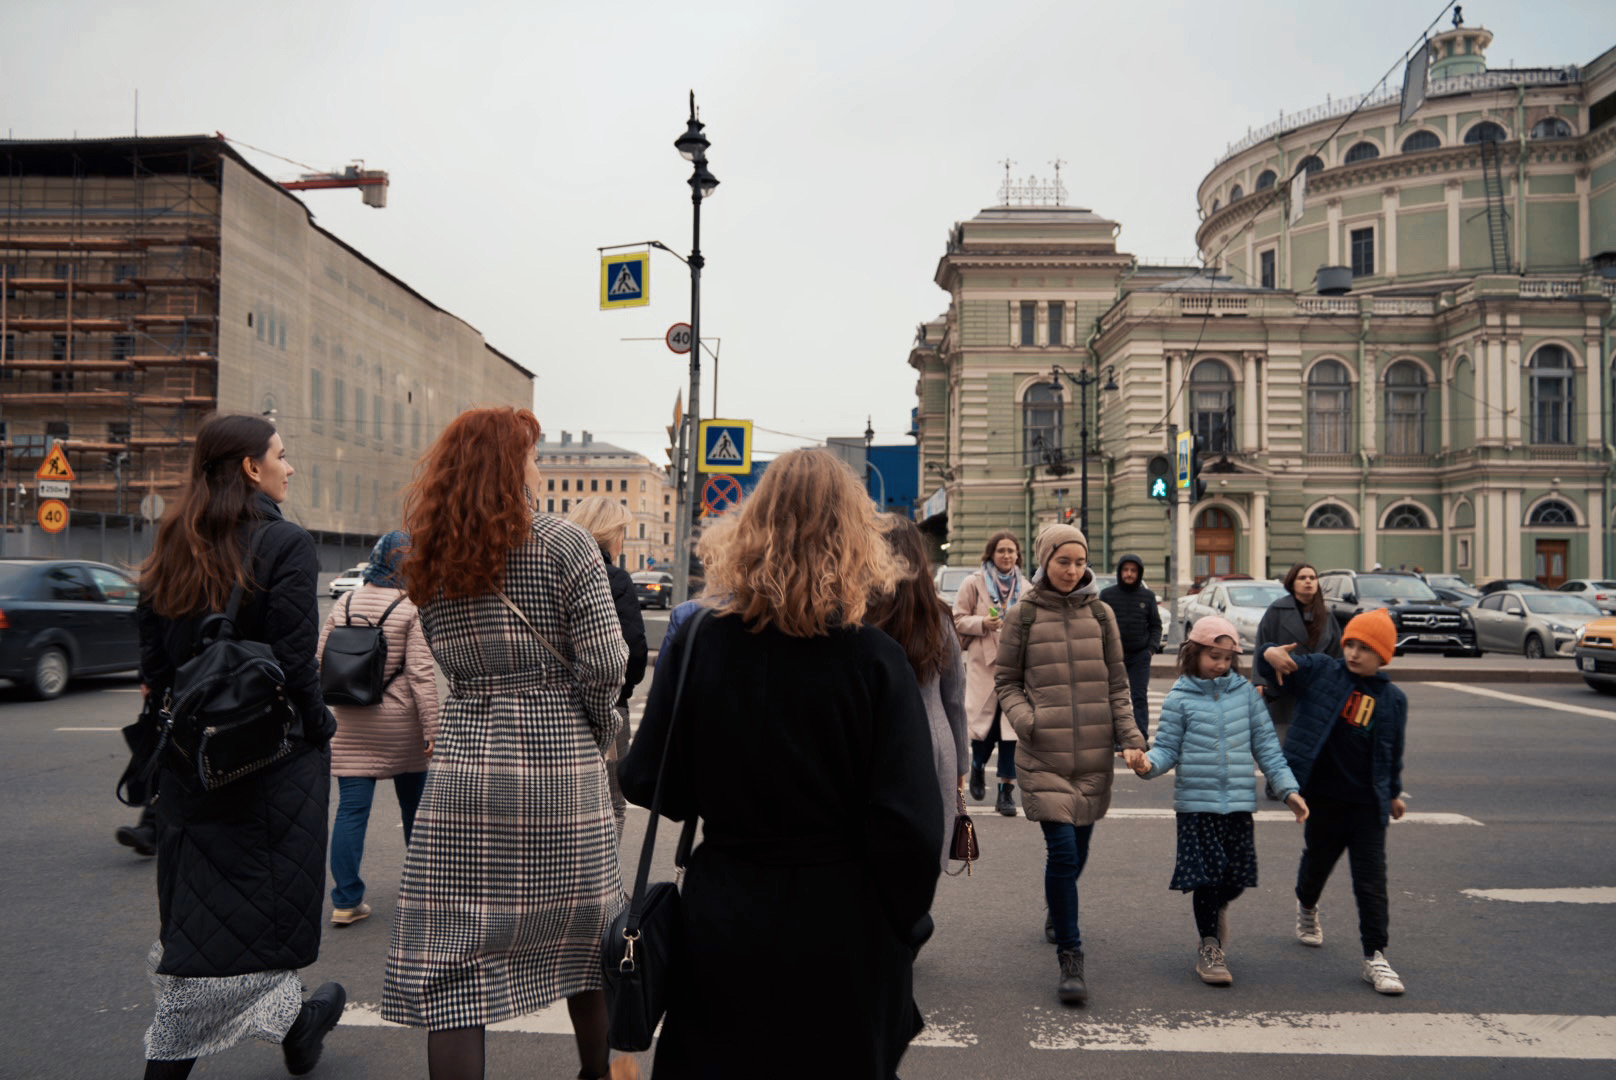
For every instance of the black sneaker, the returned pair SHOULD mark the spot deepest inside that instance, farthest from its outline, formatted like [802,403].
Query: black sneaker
[979,782]
[1007,802]
[306,1038]
[1072,989]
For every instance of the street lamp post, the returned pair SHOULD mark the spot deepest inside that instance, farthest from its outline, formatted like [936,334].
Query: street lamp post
[692,146]
[869,437]
[1082,381]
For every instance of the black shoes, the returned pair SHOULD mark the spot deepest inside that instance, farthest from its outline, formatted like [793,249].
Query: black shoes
[306,1038]
[1072,990]
[143,836]
[1006,804]
[979,782]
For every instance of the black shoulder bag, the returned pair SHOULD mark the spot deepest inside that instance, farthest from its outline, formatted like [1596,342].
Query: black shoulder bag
[353,665]
[643,944]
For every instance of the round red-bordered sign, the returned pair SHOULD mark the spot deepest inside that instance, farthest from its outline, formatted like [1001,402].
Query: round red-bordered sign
[53,515]
[678,337]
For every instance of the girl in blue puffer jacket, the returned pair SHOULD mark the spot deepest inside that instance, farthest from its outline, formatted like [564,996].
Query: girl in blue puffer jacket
[1214,727]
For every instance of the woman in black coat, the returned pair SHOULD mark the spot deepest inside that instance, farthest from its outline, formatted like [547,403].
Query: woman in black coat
[803,745]
[1301,618]
[241,868]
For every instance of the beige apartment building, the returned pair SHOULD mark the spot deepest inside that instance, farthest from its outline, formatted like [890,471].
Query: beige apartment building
[575,469]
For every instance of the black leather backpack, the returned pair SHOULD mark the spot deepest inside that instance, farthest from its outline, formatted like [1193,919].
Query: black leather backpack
[353,667]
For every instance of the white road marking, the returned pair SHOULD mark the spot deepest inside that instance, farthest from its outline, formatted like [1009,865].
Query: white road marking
[551,1020]
[1521,699]
[87,729]
[1410,818]
[1595,894]
[1375,1034]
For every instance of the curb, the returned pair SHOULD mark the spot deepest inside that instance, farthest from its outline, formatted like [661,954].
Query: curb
[1402,671]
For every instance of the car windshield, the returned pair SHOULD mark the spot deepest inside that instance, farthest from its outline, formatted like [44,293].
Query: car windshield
[1448,581]
[12,577]
[1386,587]
[1556,604]
[1255,596]
[954,577]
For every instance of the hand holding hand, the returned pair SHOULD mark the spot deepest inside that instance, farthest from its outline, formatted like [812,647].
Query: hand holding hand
[1137,761]
[1399,808]
[1298,805]
[1279,658]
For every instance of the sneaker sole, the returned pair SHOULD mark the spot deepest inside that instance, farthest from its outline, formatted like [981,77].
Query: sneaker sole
[349,922]
[1388,992]
[1312,944]
[1216,980]
[1073,999]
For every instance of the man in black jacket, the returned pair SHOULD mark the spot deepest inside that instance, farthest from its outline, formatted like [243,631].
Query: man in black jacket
[1139,623]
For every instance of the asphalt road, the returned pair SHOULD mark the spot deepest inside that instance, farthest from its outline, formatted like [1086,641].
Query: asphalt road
[1508,793]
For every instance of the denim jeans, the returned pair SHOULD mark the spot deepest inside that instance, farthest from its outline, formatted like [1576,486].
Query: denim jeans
[1138,665]
[982,748]
[1333,827]
[354,796]
[1067,849]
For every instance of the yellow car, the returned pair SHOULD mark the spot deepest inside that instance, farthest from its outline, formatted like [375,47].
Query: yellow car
[1595,654]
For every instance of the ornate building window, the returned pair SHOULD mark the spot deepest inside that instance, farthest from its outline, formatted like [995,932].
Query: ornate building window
[1421,140]
[1551,127]
[1405,409]
[1029,322]
[1312,164]
[1552,388]
[1236,193]
[1362,244]
[1329,409]
[1040,422]
[1329,516]
[1266,179]
[1407,516]
[1363,151]
[1212,406]
[1553,512]
[1486,131]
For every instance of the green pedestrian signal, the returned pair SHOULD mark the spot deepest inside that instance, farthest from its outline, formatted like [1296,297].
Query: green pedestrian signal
[1157,473]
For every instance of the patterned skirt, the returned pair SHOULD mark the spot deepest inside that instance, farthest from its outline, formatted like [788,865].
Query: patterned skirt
[1215,849]
[200,1016]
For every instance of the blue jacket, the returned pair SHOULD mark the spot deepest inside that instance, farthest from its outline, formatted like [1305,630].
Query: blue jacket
[1322,685]
[1215,730]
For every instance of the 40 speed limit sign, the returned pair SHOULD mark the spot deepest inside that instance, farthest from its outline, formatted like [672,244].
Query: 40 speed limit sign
[678,337]
[53,515]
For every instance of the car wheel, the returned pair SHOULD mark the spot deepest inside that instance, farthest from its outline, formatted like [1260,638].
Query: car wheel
[1602,686]
[51,674]
[1534,647]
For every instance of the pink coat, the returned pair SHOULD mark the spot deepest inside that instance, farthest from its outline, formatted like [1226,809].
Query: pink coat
[388,738]
[972,606]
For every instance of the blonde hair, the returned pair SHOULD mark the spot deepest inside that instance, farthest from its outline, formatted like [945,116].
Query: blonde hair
[808,552]
[603,517]
[713,546]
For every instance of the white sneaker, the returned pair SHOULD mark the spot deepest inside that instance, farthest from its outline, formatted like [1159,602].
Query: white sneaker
[1377,972]
[1309,931]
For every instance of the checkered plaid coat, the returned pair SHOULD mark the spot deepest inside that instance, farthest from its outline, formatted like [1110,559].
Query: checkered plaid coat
[512,873]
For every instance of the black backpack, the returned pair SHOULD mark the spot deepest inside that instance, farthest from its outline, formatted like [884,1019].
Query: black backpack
[353,667]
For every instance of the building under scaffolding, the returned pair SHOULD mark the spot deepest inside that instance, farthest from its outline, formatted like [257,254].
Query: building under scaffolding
[150,282]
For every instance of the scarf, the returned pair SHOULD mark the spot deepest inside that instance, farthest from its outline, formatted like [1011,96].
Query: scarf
[1001,586]
[385,557]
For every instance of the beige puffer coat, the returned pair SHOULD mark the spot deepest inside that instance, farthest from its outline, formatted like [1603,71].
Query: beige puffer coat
[1070,707]
[388,738]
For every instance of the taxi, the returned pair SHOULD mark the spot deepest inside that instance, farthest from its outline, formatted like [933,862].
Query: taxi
[1594,653]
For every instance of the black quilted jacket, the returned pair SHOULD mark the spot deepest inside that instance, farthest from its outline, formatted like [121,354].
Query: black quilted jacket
[633,624]
[241,870]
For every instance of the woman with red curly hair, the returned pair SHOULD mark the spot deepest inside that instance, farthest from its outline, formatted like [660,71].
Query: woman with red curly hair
[511,876]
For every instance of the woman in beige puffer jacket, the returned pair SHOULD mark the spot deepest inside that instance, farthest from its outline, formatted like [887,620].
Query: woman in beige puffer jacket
[391,739]
[1064,689]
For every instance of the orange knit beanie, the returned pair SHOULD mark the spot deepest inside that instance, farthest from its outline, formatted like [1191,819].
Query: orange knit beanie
[1376,630]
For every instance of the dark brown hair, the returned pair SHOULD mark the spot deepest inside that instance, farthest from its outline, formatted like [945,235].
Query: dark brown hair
[993,542]
[1189,659]
[198,556]
[914,615]
[1317,608]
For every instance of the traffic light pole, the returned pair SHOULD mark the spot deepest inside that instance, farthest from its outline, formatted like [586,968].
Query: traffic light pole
[1175,632]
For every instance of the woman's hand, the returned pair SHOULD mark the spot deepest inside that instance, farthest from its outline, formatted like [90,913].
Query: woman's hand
[431,744]
[1399,808]
[1137,761]
[992,622]
[1298,805]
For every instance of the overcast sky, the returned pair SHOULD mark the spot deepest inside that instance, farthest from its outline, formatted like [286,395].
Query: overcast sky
[848,138]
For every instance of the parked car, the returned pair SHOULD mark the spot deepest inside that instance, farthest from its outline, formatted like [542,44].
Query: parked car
[949,579]
[1595,654]
[1601,593]
[1205,583]
[653,588]
[60,618]
[1166,620]
[1508,583]
[348,580]
[1532,622]
[1241,602]
[1459,598]
[1424,623]
[1451,584]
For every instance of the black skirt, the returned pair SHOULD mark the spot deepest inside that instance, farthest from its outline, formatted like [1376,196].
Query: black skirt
[1215,850]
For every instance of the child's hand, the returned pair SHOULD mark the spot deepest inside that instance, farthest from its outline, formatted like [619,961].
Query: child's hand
[1399,808]
[1298,805]
[1279,658]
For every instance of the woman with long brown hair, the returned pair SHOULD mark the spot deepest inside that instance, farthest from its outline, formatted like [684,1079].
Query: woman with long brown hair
[240,868]
[979,610]
[511,876]
[918,620]
[1299,618]
[802,744]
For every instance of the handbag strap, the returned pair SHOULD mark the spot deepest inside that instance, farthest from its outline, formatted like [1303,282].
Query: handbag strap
[555,652]
[688,834]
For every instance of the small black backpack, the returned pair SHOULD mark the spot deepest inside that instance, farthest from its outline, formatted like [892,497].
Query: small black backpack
[353,667]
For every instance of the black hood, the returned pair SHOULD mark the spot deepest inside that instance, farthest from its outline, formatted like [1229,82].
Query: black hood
[1130,557]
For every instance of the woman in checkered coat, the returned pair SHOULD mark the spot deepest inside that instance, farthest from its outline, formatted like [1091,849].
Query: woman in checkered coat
[511,875]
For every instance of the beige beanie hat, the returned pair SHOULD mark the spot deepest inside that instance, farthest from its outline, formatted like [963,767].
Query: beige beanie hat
[1053,536]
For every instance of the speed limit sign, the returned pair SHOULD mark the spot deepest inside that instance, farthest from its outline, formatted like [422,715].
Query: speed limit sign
[53,515]
[678,337]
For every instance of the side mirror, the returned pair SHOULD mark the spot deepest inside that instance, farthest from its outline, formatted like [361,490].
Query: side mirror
[1349,598]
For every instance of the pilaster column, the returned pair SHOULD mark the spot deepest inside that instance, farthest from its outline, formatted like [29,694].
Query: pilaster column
[1516,431]
[1388,231]
[1040,324]
[1186,542]
[1333,217]
[1369,528]
[1447,533]
[1439,396]
[1368,402]
[1512,534]
[1595,372]
[1452,192]
[1596,533]
[1582,214]
[1250,438]
[1259,534]
[1175,376]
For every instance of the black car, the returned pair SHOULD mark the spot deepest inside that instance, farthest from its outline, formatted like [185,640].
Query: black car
[1508,583]
[1424,623]
[653,588]
[60,618]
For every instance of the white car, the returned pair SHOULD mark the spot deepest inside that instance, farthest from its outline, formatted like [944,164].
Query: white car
[949,579]
[348,580]
[1241,602]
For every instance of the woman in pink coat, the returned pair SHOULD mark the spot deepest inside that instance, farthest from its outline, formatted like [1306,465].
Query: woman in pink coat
[392,738]
[979,609]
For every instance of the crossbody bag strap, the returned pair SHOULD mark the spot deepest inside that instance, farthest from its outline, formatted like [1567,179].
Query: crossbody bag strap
[555,652]
[401,598]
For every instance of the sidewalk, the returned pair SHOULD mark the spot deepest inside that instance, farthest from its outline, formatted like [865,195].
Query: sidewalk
[1419,667]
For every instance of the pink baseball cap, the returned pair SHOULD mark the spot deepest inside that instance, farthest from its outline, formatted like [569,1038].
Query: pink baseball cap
[1209,628]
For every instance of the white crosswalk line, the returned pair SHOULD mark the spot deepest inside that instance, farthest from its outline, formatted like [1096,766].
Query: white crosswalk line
[1521,699]
[1595,894]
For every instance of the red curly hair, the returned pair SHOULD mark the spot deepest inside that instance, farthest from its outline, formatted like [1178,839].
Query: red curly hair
[467,509]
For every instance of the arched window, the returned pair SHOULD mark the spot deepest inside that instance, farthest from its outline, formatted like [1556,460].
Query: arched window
[1405,409]
[1364,151]
[1551,127]
[1552,393]
[1486,131]
[1421,140]
[1041,423]
[1266,180]
[1553,512]
[1236,193]
[1212,406]
[1312,164]
[1407,516]
[1213,518]
[1329,516]
[1329,409]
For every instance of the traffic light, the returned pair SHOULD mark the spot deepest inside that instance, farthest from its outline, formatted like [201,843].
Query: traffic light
[1069,515]
[1197,485]
[1158,477]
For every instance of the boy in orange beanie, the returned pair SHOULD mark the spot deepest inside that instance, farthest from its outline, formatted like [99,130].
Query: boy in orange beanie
[1345,748]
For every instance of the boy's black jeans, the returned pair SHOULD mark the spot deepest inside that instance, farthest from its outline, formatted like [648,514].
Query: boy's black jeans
[1333,827]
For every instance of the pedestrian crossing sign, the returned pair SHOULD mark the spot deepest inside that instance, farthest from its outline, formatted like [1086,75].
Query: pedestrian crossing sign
[726,446]
[625,280]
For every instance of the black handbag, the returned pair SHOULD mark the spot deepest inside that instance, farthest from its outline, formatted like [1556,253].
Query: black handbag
[353,665]
[964,847]
[642,946]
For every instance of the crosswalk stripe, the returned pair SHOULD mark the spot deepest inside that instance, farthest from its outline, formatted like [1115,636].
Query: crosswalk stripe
[1521,699]
[981,812]
[550,1020]
[1597,894]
